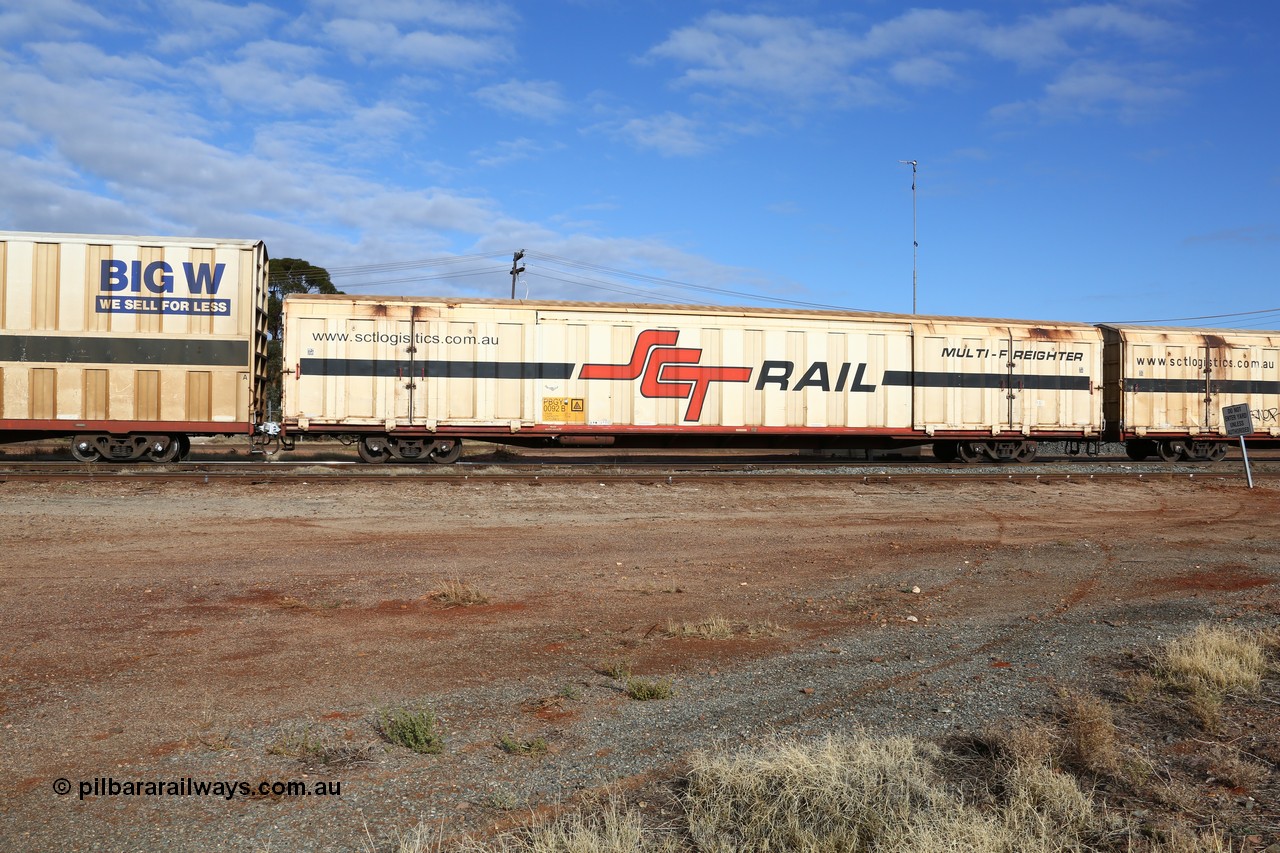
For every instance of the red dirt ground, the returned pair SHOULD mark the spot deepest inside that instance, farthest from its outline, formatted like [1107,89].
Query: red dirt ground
[180,630]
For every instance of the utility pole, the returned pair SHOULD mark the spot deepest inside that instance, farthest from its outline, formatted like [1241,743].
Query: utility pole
[516,269]
[915,243]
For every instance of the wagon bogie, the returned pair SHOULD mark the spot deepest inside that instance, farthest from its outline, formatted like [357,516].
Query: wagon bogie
[129,448]
[380,448]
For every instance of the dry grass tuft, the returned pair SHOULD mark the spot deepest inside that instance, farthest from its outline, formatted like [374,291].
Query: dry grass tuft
[312,747]
[618,668]
[647,689]
[711,628]
[847,793]
[1227,765]
[1212,661]
[455,593]
[1091,737]
[512,745]
[612,828]
[1141,687]
[765,629]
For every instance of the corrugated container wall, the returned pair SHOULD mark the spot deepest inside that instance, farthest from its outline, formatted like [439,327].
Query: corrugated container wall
[1171,381]
[120,333]
[402,364]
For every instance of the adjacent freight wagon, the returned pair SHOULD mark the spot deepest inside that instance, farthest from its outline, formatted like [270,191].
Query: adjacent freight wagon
[1166,388]
[413,377]
[130,345]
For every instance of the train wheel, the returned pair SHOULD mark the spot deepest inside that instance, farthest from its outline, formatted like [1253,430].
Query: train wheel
[1170,451]
[1219,451]
[83,449]
[1027,452]
[969,451]
[373,450]
[945,451]
[449,456]
[164,451]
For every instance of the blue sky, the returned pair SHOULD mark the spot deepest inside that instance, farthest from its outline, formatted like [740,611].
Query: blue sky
[1077,161]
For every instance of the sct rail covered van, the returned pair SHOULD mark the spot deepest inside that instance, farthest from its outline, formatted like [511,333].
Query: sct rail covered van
[130,345]
[1166,388]
[413,377]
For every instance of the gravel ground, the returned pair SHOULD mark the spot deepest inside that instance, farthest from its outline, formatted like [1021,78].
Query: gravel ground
[167,632]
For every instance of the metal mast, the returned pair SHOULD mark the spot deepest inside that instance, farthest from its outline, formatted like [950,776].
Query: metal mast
[915,243]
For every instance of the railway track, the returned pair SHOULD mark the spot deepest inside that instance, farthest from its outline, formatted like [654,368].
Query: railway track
[639,471]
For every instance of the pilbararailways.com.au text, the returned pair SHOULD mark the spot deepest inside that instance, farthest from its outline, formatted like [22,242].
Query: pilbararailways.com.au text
[107,786]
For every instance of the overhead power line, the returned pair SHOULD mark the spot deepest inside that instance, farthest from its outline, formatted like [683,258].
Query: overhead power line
[641,286]
[1256,315]
[676,284]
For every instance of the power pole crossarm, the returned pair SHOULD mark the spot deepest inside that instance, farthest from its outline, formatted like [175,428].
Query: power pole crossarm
[516,269]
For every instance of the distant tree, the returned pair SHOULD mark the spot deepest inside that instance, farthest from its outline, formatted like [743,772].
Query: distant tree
[293,275]
[286,276]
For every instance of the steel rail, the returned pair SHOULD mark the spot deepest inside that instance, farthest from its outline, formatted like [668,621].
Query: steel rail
[274,474]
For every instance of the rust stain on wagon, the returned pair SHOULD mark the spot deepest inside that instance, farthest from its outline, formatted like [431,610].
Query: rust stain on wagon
[1041,333]
[1215,342]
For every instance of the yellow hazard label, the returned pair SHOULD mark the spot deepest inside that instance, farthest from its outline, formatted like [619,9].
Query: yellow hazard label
[566,410]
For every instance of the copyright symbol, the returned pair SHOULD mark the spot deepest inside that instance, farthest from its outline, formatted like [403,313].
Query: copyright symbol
[62,786]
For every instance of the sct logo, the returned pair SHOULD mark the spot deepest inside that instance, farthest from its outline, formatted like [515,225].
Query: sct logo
[127,277]
[157,277]
[666,370]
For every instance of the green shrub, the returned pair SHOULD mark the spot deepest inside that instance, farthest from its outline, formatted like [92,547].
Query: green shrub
[412,727]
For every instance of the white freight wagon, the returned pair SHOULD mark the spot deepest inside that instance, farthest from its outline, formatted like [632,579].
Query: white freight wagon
[412,377]
[130,345]
[1166,388]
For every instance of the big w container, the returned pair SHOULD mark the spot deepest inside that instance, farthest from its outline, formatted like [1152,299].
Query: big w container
[130,345]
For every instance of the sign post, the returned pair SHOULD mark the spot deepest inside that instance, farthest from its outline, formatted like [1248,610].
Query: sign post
[1239,421]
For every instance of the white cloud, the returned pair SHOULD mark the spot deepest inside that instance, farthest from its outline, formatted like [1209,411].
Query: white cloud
[67,19]
[202,24]
[1042,39]
[455,14]
[507,152]
[381,41]
[670,134]
[262,86]
[922,71]
[801,63]
[1131,92]
[535,99]
[776,56]
[72,61]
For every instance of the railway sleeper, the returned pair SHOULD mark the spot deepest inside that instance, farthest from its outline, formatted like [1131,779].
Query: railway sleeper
[380,448]
[130,448]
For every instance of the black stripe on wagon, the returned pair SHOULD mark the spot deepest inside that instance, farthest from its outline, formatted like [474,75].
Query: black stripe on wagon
[82,350]
[403,368]
[1197,386]
[940,379]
